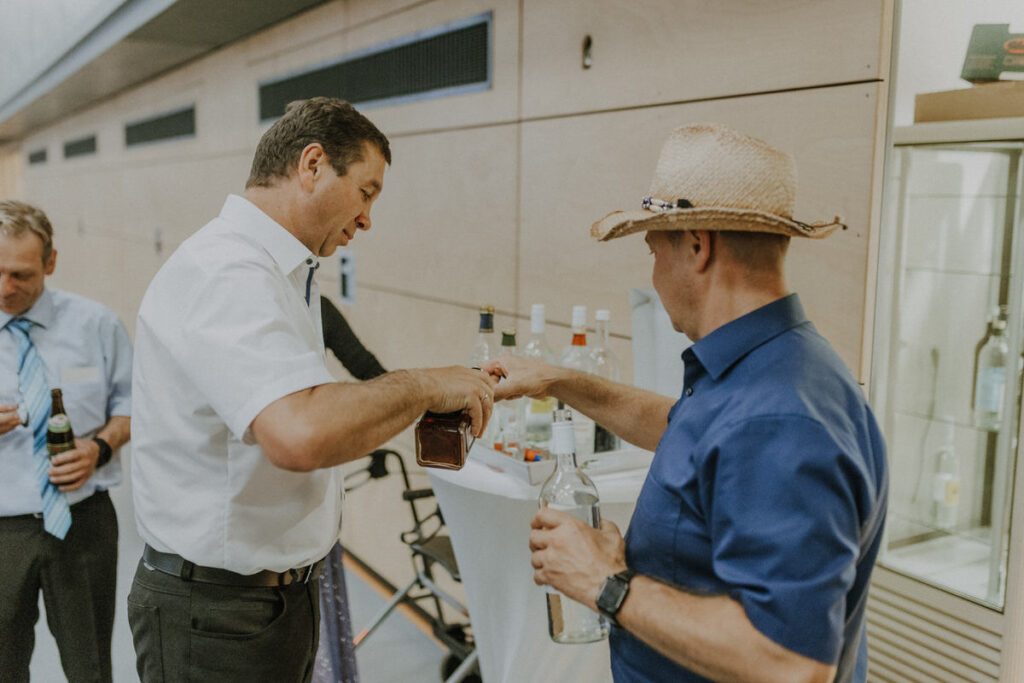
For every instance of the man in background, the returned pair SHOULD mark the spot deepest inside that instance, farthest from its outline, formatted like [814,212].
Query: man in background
[58,530]
[751,548]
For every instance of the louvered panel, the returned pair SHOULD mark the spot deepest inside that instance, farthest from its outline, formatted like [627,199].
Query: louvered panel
[936,622]
[915,664]
[927,633]
[910,641]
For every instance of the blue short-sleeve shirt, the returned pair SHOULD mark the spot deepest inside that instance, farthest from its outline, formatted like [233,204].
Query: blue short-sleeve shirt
[768,485]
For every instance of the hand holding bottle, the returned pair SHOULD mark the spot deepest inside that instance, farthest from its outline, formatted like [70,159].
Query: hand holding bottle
[72,468]
[457,388]
[573,557]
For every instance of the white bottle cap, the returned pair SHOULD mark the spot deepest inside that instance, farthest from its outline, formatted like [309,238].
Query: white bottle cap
[603,314]
[537,319]
[579,317]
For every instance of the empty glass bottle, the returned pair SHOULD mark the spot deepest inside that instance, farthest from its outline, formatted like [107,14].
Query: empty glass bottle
[538,410]
[576,356]
[570,490]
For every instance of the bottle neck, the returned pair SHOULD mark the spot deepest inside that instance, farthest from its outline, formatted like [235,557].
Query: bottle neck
[579,338]
[601,333]
[567,462]
[486,323]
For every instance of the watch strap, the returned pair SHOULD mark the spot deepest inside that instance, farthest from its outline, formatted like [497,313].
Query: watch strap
[106,452]
[613,594]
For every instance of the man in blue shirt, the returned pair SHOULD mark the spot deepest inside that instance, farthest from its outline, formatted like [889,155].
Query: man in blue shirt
[58,530]
[750,551]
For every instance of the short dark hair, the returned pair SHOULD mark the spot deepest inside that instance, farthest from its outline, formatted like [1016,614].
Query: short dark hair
[18,218]
[757,251]
[334,123]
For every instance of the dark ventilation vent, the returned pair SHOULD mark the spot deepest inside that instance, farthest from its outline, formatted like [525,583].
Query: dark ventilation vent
[451,59]
[174,125]
[37,157]
[80,147]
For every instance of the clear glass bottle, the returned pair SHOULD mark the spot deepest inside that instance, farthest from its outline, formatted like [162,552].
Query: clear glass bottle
[991,379]
[538,410]
[605,364]
[570,490]
[509,415]
[946,483]
[485,347]
[576,356]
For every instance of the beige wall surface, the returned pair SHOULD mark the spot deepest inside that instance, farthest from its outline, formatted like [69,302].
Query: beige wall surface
[491,193]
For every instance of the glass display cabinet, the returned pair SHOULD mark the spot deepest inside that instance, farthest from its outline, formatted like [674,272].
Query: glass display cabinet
[947,356]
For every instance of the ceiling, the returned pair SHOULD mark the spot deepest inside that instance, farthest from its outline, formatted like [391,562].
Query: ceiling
[133,45]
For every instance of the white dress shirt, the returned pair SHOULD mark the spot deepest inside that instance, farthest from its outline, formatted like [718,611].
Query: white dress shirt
[87,354]
[223,331]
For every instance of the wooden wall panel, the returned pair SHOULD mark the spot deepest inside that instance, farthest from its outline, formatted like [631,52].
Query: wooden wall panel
[651,51]
[606,162]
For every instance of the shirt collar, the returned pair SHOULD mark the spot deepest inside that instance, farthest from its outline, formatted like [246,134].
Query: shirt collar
[725,346]
[41,313]
[287,251]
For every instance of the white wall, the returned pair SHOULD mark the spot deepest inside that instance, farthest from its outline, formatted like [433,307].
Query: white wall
[933,43]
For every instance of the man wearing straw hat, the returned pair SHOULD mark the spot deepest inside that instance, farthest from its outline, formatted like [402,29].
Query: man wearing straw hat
[750,551]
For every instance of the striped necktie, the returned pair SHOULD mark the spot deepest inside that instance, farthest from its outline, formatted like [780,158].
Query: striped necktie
[36,394]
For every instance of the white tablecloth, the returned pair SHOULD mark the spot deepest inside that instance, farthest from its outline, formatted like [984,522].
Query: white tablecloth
[488,516]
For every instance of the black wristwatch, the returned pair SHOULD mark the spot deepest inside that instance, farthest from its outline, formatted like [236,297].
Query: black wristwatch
[613,594]
[105,451]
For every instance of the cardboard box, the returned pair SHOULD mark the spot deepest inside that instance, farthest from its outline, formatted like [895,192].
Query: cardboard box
[1002,99]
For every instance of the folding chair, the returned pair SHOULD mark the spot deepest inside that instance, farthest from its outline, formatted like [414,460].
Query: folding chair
[429,548]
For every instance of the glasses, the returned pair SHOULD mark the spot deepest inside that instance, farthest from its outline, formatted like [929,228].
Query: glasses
[10,396]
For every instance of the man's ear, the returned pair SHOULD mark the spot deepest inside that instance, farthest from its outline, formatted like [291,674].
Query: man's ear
[702,245]
[50,263]
[311,162]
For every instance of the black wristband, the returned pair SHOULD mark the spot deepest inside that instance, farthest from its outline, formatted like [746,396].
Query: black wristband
[106,452]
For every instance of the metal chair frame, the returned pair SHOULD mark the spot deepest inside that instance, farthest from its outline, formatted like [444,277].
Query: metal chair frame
[428,548]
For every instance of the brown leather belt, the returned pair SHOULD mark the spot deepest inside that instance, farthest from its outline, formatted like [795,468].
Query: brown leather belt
[176,565]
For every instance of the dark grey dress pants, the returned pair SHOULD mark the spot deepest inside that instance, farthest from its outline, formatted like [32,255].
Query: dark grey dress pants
[78,578]
[193,631]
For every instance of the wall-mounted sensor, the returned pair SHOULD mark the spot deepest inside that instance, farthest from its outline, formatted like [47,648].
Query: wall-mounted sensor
[347,275]
[588,43]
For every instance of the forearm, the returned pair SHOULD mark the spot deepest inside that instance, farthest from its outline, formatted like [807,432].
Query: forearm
[117,431]
[636,415]
[712,636]
[333,423]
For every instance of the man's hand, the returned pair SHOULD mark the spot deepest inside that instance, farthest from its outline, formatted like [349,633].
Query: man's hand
[9,418]
[572,557]
[71,469]
[521,377]
[458,388]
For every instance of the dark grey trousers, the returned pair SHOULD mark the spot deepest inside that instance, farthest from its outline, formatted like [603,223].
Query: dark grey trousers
[192,631]
[78,579]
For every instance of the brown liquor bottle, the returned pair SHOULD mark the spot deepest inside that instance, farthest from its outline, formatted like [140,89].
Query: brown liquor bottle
[59,435]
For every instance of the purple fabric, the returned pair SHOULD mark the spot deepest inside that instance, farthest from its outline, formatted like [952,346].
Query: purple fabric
[336,657]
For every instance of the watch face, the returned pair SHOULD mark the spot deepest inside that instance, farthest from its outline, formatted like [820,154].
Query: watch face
[612,595]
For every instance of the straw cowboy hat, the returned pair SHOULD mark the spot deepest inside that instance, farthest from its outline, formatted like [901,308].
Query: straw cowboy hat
[710,177]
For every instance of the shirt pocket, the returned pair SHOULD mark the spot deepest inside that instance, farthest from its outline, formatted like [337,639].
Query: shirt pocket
[85,397]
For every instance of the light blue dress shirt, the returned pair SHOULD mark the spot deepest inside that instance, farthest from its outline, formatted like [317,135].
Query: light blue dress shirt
[88,355]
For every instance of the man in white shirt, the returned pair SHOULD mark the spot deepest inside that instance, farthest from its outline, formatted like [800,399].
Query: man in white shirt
[58,529]
[239,424]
